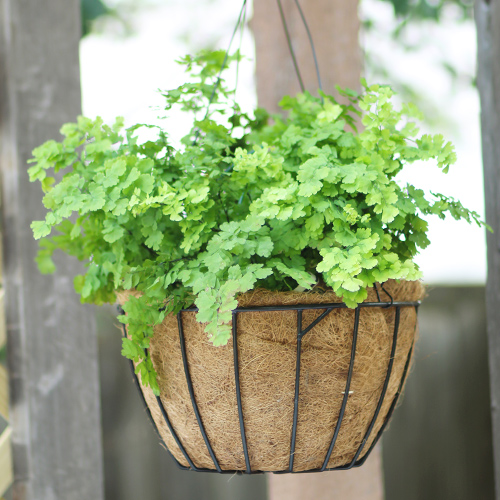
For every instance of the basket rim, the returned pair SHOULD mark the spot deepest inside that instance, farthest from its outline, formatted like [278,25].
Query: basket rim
[322,305]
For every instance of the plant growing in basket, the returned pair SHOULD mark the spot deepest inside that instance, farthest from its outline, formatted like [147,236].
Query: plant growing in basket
[290,234]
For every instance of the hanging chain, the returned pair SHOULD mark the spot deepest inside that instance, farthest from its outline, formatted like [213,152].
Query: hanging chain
[290,46]
[311,43]
[240,21]
[242,30]
[240,24]
[289,41]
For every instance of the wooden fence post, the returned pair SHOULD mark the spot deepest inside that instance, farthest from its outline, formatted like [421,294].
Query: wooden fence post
[487,14]
[52,350]
[334,25]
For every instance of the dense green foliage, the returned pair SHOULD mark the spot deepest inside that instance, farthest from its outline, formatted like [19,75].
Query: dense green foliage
[246,202]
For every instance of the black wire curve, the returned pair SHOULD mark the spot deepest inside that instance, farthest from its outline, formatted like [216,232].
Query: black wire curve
[311,43]
[290,47]
[292,52]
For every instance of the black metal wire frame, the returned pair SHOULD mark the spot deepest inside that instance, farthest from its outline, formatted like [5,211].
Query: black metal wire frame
[290,46]
[327,309]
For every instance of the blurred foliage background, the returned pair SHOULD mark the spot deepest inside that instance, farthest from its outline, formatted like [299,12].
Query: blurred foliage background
[405,10]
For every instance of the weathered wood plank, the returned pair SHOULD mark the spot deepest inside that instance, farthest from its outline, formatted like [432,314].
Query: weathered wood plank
[487,14]
[334,25]
[51,338]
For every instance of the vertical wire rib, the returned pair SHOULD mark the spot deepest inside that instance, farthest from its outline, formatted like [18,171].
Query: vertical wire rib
[394,401]
[311,43]
[346,392]
[290,47]
[165,417]
[174,435]
[297,386]
[238,393]
[384,388]
[191,393]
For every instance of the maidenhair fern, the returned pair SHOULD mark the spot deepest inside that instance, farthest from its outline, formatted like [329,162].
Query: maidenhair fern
[245,202]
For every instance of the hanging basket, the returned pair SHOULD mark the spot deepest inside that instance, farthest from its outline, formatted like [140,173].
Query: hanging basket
[306,384]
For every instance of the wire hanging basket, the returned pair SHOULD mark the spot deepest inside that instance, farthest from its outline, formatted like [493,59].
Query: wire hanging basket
[370,416]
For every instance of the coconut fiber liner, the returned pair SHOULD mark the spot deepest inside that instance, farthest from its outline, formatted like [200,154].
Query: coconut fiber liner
[267,348]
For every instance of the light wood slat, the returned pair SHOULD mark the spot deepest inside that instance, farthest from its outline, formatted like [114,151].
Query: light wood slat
[4,392]
[6,475]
